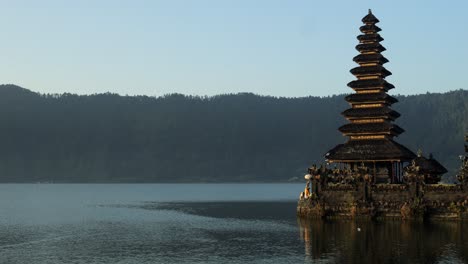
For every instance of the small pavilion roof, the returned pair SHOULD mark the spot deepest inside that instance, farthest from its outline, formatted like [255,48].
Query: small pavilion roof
[429,165]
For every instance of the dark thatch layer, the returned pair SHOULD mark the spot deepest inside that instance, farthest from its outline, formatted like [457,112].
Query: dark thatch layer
[371,97]
[367,58]
[370,18]
[371,84]
[371,112]
[370,37]
[360,150]
[368,47]
[370,29]
[430,166]
[374,128]
[370,70]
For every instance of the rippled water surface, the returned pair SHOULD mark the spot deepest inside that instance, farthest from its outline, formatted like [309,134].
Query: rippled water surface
[201,223]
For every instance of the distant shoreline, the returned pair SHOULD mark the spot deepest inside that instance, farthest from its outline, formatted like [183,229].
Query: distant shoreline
[107,138]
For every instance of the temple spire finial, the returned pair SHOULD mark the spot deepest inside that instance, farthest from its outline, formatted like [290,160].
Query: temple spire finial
[370,11]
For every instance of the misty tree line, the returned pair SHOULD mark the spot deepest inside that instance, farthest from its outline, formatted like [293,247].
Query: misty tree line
[177,138]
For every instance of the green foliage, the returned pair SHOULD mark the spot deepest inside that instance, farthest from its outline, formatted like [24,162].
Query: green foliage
[175,138]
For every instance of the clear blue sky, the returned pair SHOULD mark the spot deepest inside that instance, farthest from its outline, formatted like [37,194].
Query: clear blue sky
[281,48]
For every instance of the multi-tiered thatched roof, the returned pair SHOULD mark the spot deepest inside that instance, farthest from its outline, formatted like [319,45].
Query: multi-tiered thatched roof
[371,129]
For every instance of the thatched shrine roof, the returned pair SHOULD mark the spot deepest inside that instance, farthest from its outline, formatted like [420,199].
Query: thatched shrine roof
[369,58]
[370,37]
[371,112]
[371,128]
[371,97]
[369,47]
[369,150]
[371,70]
[371,84]
[370,28]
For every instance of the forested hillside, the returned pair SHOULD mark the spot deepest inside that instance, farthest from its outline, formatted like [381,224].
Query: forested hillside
[177,138]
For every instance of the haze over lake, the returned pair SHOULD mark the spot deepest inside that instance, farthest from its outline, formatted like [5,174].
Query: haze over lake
[201,223]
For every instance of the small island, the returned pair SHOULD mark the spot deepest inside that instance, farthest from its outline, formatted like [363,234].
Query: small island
[371,175]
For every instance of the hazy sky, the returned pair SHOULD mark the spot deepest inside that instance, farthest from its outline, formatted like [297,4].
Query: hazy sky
[282,48]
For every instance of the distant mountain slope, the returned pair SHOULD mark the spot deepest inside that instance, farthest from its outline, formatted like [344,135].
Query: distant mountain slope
[174,138]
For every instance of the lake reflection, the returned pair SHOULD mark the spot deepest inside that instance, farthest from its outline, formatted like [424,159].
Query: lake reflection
[383,242]
[203,223]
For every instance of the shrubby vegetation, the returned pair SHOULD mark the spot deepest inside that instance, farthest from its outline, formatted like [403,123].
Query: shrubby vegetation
[177,138]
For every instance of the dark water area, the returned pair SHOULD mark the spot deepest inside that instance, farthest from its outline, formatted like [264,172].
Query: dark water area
[202,223]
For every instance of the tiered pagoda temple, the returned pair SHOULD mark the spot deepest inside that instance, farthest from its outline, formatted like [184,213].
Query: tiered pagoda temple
[373,180]
[371,130]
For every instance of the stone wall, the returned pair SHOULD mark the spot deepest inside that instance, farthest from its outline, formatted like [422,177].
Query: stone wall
[414,200]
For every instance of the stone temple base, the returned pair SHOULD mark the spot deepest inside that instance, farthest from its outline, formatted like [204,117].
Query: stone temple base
[415,201]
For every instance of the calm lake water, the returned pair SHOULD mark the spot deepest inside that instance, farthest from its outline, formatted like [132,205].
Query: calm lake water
[201,223]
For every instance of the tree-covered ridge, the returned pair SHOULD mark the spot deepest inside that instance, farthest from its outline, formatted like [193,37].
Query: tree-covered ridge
[174,138]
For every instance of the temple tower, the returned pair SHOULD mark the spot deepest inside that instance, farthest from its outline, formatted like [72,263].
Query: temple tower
[371,130]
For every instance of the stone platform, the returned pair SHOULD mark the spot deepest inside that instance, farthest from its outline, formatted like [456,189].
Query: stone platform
[414,200]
